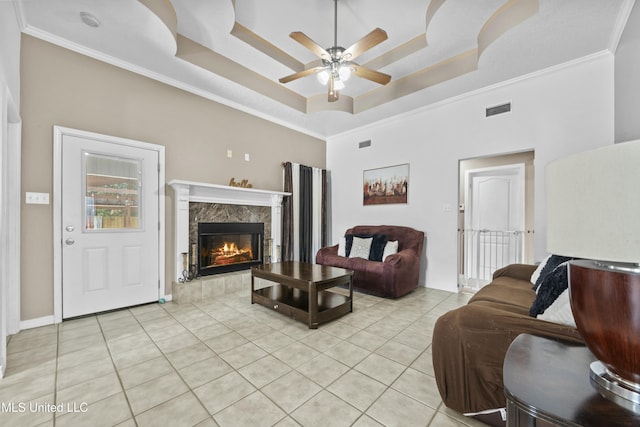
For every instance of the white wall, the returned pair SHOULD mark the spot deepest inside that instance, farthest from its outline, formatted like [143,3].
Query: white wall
[9,175]
[626,80]
[10,55]
[564,110]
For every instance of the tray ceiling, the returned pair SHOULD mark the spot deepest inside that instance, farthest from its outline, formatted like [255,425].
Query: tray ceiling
[234,52]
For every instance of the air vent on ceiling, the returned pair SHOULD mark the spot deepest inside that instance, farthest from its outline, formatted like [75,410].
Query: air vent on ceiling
[364,144]
[498,109]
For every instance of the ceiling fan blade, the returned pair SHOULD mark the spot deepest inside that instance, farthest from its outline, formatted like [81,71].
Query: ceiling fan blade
[372,39]
[314,47]
[333,93]
[369,74]
[300,74]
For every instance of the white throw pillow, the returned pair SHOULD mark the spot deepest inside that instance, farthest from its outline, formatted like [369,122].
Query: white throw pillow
[560,311]
[389,249]
[536,273]
[342,247]
[360,247]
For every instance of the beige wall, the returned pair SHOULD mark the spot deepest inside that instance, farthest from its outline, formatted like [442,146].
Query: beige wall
[60,87]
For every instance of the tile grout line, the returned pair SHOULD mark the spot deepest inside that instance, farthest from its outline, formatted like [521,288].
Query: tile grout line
[124,392]
[257,390]
[175,369]
[417,316]
[299,340]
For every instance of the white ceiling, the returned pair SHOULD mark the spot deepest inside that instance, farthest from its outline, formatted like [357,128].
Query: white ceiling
[131,36]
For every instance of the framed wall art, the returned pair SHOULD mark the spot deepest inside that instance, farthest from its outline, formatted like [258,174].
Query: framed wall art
[386,185]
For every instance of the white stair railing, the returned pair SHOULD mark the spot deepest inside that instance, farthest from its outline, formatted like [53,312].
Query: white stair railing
[485,251]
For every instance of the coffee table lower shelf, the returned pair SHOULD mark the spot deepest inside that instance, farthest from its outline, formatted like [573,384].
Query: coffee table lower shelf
[294,303]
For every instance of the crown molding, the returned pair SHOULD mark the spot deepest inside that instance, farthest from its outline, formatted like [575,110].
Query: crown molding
[621,23]
[20,16]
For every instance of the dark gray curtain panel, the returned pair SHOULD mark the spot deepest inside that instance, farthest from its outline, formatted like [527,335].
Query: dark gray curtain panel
[287,215]
[304,213]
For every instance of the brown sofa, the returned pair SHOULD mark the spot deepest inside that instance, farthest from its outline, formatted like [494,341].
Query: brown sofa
[469,343]
[397,275]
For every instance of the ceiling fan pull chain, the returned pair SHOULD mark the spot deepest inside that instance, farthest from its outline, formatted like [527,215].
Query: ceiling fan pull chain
[335,22]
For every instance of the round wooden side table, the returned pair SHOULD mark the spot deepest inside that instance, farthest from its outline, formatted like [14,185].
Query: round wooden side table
[547,383]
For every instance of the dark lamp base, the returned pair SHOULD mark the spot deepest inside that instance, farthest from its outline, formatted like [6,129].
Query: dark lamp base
[605,303]
[614,388]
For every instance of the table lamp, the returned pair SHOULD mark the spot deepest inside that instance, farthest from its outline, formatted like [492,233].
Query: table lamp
[593,213]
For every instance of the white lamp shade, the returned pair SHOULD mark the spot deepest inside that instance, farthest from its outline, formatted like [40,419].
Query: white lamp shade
[593,204]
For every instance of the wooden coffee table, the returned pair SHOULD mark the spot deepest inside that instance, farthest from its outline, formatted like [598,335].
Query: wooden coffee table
[301,291]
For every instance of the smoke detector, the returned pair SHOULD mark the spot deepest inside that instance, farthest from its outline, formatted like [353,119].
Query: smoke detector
[89,19]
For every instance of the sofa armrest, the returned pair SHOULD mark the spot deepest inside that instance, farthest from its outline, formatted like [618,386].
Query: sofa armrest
[517,271]
[401,257]
[324,253]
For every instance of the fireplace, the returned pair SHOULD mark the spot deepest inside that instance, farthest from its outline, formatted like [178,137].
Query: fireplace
[229,246]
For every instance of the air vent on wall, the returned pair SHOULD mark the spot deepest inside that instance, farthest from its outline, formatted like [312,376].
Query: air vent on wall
[498,109]
[364,144]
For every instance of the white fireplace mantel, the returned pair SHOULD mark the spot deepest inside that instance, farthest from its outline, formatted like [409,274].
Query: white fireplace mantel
[189,191]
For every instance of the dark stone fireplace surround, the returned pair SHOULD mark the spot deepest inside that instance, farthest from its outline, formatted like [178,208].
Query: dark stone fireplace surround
[198,201]
[221,213]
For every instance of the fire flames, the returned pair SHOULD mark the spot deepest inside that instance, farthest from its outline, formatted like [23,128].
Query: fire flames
[229,253]
[230,249]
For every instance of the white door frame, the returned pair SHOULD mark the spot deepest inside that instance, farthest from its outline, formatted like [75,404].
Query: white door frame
[10,206]
[58,133]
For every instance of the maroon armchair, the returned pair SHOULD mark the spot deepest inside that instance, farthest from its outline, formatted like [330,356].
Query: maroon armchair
[396,275]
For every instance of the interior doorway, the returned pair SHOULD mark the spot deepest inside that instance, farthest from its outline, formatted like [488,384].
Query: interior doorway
[495,225]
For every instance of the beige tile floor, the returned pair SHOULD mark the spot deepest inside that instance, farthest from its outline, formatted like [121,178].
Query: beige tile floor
[227,362]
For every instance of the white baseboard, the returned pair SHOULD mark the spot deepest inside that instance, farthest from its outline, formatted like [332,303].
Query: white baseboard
[49,320]
[36,323]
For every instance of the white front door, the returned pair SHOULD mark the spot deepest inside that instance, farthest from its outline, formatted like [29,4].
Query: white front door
[494,221]
[110,207]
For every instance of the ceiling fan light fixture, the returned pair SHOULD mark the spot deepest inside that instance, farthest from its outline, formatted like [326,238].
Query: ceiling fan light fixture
[323,77]
[345,72]
[336,65]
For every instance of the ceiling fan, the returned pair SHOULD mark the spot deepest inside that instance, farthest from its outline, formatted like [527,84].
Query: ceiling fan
[337,65]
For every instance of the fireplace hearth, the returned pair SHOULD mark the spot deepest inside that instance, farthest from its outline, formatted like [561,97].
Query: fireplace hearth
[229,246]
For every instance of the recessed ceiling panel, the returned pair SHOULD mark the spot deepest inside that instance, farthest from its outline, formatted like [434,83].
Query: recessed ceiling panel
[246,48]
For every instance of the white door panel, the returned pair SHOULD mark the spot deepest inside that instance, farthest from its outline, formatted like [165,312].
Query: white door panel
[110,236]
[494,221]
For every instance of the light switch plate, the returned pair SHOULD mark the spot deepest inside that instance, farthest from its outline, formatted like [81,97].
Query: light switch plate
[37,198]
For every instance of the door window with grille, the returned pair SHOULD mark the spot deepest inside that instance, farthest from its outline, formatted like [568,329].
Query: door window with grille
[111,192]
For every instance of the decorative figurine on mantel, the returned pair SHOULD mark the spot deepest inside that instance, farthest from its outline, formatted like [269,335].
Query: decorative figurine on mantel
[244,183]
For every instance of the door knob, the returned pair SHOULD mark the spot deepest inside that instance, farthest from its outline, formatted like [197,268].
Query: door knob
[69,241]
[69,228]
